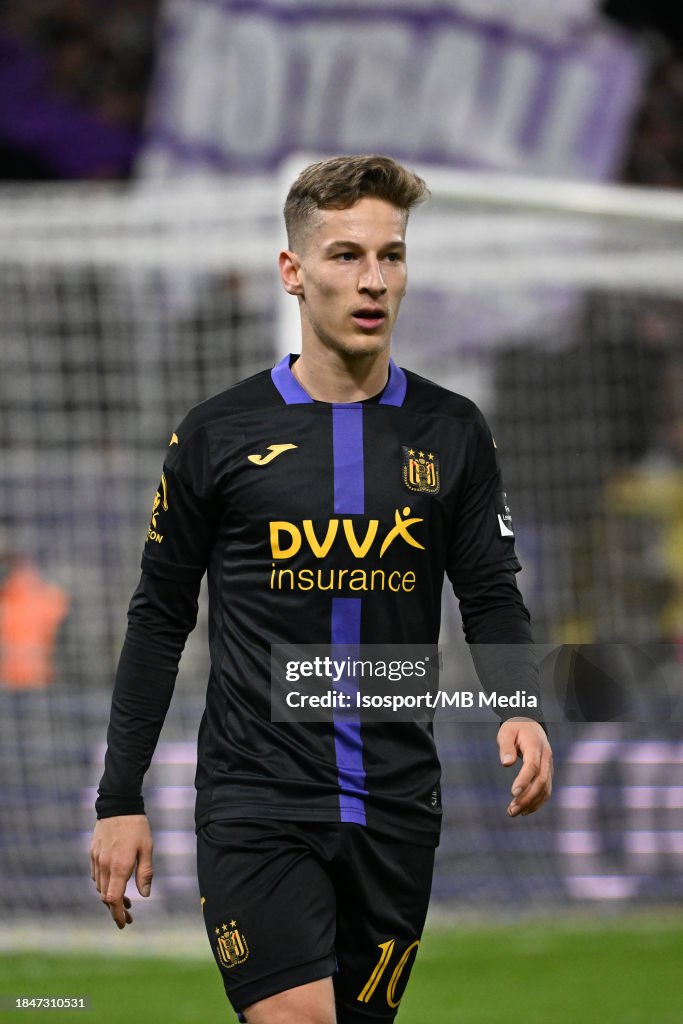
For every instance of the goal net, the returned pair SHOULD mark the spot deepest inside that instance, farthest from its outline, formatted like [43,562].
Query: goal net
[556,308]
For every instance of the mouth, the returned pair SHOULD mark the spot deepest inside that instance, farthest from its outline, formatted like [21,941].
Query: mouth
[369,318]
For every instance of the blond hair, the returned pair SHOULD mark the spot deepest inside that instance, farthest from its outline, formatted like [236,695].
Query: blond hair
[340,181]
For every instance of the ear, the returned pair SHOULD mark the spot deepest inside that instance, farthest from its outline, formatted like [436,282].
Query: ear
[290,272]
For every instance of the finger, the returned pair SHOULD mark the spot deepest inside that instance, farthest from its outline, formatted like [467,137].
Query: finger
[94,867]
[114,892]
[537,792]
[533,797]
[103,879]
[534,805]
[119,873]
[529,771]
[95,862]
[118,912]
[144,872]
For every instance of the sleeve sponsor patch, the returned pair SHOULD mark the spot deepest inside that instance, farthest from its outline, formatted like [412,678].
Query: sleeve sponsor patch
[504,515]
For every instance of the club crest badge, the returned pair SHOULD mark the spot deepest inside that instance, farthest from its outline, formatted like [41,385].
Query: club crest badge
[231,945]
[420,470]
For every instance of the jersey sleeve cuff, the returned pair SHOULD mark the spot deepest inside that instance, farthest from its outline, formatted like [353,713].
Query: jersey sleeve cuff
[530,717]
[114,806]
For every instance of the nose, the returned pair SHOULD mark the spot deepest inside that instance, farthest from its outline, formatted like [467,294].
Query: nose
[371,279]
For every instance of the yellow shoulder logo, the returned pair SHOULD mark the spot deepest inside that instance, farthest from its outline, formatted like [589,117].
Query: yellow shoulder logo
[160,503]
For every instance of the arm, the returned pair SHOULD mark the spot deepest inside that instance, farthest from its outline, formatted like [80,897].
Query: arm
[496,625]
[482,567]
[161,614]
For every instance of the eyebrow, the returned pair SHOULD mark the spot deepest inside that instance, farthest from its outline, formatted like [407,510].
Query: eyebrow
[342,244]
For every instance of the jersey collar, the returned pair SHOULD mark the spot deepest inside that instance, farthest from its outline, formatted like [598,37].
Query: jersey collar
[293,394]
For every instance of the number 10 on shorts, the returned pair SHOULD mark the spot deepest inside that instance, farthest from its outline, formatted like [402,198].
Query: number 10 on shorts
[387,951]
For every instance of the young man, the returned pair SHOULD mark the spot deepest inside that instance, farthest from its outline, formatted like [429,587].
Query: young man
[326,498]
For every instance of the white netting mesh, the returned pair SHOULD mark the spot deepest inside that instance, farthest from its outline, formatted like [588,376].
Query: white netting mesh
[558,311]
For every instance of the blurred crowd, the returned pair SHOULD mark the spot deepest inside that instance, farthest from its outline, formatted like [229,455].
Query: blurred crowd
[93,58]
[655,154]
[98,54]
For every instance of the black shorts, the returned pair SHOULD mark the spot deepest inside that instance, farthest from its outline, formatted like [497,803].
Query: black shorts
[287,903]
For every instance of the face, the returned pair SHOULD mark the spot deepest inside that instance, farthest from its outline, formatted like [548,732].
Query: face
[350,277]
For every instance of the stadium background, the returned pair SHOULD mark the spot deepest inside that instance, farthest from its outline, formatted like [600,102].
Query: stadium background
[137,278]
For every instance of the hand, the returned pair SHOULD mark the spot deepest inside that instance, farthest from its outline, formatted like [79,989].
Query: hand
[118,844]
[522,737]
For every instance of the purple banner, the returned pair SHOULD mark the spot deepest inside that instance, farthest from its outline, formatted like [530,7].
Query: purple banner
[243,84]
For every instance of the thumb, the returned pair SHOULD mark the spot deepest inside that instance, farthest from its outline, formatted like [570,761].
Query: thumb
[507,748]
[144,873]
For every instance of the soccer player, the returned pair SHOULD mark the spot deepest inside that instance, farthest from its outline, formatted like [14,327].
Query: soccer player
[326,498]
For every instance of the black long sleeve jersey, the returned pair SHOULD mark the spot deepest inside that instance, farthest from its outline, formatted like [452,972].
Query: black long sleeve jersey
[324,524]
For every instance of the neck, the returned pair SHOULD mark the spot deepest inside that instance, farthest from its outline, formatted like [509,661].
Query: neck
[332,377]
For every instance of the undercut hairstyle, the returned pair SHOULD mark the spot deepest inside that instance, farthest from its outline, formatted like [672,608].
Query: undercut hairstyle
[340,181]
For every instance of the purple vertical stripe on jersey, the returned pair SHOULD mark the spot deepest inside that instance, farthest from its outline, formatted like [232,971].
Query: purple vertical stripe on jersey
[349,498]
[347,442]
[348,745]
[395,391]
[287,384]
